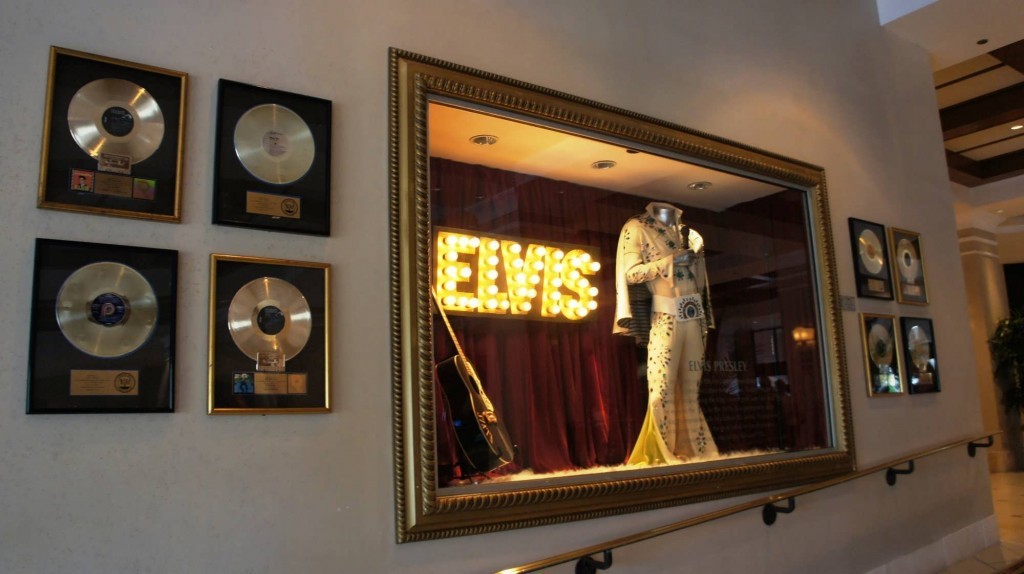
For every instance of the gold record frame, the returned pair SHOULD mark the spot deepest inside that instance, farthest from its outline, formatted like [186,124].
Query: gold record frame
[871,371]
[310,368]
[426,509]
[900,286]
[150,189]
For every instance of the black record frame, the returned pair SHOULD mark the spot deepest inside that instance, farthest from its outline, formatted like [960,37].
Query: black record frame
[237,383]
[85,99]
[920,356]
[272,160]
[868,243]
[114,350]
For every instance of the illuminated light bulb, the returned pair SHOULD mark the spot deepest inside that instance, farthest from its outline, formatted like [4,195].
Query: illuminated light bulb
[583,282]
[451,271]
[555,296]
[474,303]
[520,277]
[492,289]
[592,291]
[474,242]
[451,256]
[451,240]
[525,306]
[535,279]
[504,304]
[492,303]
[515,248]
[575,262]
[581,312]
[572,303]
[463,241]
[465,272]
[558,268]
[532,293]
[462,301]
[595,266]
[556,282]
[521,292]
[491,274]
[585,257]
[449,300]
[492,260]
[538,265]
[558,254]
[591,305]
[574,275]
[555,309]
[517,263]
[540,251]
[493,245]
[449,285]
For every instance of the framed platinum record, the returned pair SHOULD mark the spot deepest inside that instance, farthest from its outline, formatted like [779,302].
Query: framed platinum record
[113,136]
[268,336]
[272,160]
[870,259]
[103,324]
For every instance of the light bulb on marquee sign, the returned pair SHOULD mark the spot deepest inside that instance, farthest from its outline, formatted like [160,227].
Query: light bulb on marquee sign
[530,279]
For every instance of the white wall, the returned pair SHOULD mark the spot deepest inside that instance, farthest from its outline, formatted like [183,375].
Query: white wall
[819,81]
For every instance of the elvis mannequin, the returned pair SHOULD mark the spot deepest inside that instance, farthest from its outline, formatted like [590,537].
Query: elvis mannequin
[665,259]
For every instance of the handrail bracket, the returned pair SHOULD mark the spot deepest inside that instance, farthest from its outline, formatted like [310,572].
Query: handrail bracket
[587,565]
[892,472]
[771,511]
[973,446]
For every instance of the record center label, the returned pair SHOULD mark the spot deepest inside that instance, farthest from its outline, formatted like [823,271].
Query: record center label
[118,121]
[275,143]
[104,383]
[109,309]
[273,205]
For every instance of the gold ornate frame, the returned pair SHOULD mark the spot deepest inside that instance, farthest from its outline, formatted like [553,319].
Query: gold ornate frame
[422,510]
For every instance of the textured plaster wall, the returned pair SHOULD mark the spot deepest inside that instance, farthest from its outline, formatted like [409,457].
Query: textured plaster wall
[819,81]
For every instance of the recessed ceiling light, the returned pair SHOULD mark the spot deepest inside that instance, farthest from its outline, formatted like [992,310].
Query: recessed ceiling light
[983,41]
[699,185]
[1000,210]
[484,139]
[603,164]
[632,151]
[1017,127]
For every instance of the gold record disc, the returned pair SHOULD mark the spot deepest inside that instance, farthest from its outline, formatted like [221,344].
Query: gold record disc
[114,116]
[269,315]
[919,346]
[106,309]
[880,345]
[274,144]
[907,260]
[870,249]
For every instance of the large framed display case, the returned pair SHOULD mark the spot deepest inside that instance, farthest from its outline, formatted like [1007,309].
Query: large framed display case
[635,314]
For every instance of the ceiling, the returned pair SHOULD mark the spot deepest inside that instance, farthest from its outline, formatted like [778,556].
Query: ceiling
[977,55]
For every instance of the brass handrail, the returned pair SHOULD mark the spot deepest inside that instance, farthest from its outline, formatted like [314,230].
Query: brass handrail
[729,511]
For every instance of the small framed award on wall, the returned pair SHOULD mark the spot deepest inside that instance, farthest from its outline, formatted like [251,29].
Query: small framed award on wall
[870,259]
[908,266]
[272,160]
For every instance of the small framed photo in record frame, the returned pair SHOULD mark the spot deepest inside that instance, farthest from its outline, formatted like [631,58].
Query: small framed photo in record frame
[881,341]
[272,160]
[269,336]
[919,355]
[102,332]
[870,259]
[113,135]
[908,266]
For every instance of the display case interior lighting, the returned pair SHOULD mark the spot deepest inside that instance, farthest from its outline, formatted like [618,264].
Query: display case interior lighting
[487,275]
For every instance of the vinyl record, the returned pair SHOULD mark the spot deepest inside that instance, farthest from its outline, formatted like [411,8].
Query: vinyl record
[907,261]
[269,314]
[106,309]
[274,144]
[870,250]
[115,116]
[880,345]
[919,346]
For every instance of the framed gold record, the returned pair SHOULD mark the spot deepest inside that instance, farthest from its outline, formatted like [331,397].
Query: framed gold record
[883,363]
[269,336]
[870,259]
[272,160]
[103,324]
[113,136]
[908,266]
